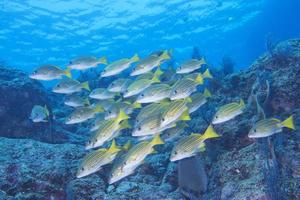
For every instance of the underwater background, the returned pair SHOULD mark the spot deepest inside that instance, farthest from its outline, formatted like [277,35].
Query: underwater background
[252,49]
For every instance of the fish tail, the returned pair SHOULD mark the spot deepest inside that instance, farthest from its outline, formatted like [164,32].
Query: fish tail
[113,147]
[158,72]
[85,85]
[68,72]
[103,60]
[127,145]
[188,100]
[135,58]
[242,103]
[203,62]
[87,102]
[165,55]
[207,74]
[199,79]
[157,140]
[185,116]
[207,93]
[202,147]
[122,116]
[289,123]
[124,124]
[210,133]
[136,105]
[155,79]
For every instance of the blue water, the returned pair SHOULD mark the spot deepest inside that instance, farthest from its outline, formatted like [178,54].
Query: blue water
[34,32]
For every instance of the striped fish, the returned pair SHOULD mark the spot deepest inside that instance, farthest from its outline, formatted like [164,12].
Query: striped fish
[190,145]
[102,94]
[82,114]
[205,75]
[126,106]
[198,99]
[93,162]
[228,112]
[154,93]
[108,130]
[119,85]
[268,127]
[174,111]
[190,66]
[173,133]
[149,110]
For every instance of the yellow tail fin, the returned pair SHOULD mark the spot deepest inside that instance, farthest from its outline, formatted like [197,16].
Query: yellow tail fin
[98,108]
[86,86]
[207,74]
[136,105]
[157,140]
[122,116]
[155,79]
[68,73]
[199,79]
[134,58]
[202,147]
[158,72]
[210,133]
[86,102]
[242,103]
[185,116]
[113,147]
[103,60]
[202,61]
[188,100]
[124,124]
[207,93]
[289,123]
[165,55]
[127,145]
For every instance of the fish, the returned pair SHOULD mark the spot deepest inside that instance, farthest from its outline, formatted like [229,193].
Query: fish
[176,110]
[173,133]
[86,62]
[150,126]
[102,94]
[119,66]
[69,86]
[74,100]
[149,110]
[133,158]
[141,84]
[205,75]
[190,66]
[105,103]
[183,88]
[198,99]
[228,112]
[108,130]
[97,122]
[270,126]
[190,145]
[119,85]
[50,72]
[147,64]
[126,106]
[154,93]
[39,114]
[94,161]
[82,114]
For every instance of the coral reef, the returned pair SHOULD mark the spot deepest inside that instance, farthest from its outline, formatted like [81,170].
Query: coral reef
[236,167]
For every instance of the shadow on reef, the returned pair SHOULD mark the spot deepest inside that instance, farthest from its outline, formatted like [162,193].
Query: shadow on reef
[236,167]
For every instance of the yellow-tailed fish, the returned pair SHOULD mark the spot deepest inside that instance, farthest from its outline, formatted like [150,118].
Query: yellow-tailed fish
[97,122]
[149,63]
[268,127]
[118,66]
[188,146]
[141,84]
[119,85]
[154,93]
[173,133]
[69,86]
[49,72]
[198,99]
[93,161]
[176,110]
[133,158]
[228,112]
[190,66]
[150,109]
[75,100]
[106,103]
[39,113]
[148,75]
[150,126]
[108,130]
[126,106]
[185,87]
[86,62]
[205,75]
[82,114]
[102,94]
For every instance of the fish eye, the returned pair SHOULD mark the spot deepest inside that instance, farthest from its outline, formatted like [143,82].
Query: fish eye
[58,85]
[216,117]
[112,84]
[70,62]
[139,128]
[109,112]
[175,152]
[96,140]
[134,69]
[82,169]
[163,119]
[254,130]
[34,72]
[142,95]
[175,92]
[126,91]
[89,142]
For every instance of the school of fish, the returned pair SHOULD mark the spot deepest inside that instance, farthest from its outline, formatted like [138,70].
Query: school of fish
[152,110]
